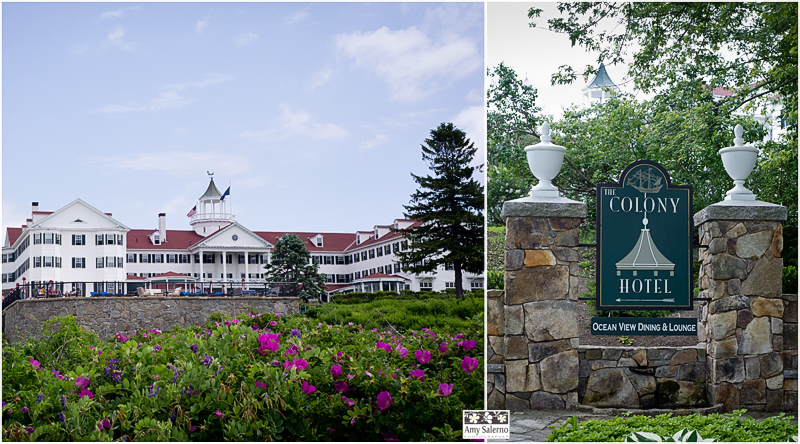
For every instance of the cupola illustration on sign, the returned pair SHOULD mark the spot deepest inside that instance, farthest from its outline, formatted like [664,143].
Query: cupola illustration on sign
[645,255]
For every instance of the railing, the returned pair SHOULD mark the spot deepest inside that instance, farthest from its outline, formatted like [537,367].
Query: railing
[213,216]
[106,289]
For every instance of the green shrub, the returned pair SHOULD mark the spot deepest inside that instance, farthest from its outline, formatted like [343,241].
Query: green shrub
[790,279]
[495,280]
[731,427]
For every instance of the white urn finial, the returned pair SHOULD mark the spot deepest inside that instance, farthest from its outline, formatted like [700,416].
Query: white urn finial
[544,160]
[739,161]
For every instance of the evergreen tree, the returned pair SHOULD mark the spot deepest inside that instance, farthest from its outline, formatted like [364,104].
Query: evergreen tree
[291,262]
[448,205]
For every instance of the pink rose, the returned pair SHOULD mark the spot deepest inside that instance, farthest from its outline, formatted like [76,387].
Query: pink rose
[423,356]
[384,400]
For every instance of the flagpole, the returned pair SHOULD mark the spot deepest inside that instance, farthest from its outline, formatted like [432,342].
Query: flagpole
[229,203]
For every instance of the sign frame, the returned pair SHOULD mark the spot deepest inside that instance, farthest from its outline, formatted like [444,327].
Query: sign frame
[604,300]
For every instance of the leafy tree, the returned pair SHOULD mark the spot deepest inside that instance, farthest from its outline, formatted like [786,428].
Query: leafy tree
[448,205]
[512,121]
[291,262]
[682,52]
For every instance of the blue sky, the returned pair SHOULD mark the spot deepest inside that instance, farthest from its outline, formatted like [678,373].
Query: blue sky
[314,113]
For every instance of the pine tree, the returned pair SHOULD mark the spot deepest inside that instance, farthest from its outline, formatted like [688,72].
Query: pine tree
[291,262]
[449,206]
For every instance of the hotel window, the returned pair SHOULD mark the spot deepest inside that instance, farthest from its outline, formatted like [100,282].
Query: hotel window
[340,260]
[404,244]
[371,271]
[131,258]
[329,279]
[158,258]
[372,254]
[196,258]
[110,239]
[478,284]
[172,259]
[111,262]
[252,259]
[265,258]
[98,240]
[397,268]
[448,266]
[426,285]
[328,260]
[37,261]
[315,260]
[319,241]
[356,257]
[240,259]
[209,258]
[229,258]
[387,249]
[78,239]
[380,269]
[49,238]
[358,275]
[230,275]
[58,239]
[156,239]
[99,263]
[144,258]
[183,258]
[196,275]
[341,278]
[450,285]
[396,247]
[5,258]
[364,255]
[37,238]
[58,261]
[119,239]
[380,251]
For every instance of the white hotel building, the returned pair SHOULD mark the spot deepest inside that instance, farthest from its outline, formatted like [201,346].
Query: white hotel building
[79,243]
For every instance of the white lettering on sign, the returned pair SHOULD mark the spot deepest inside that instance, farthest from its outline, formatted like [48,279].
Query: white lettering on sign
[639,205]
[637,286]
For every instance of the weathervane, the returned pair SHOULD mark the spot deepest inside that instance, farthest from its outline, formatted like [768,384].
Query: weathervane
[210,174]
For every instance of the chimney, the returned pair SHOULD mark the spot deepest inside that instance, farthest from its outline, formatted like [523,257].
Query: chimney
[162,226]
[34,206]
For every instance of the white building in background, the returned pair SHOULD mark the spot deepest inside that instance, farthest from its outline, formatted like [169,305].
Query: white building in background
[80,244]
[600,88]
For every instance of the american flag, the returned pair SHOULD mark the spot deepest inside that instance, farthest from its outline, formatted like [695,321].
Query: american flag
[192,212]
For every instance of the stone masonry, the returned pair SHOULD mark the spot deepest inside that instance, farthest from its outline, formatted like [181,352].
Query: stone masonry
[639,377]
[111,315]
[539,350]
[747,341]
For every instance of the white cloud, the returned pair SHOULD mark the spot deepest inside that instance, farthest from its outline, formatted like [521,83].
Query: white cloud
[321,77]
[201,24]
[212,79]
[378,140]
[245,39]
[472,120]
[297,16]
[176,163]
[78,49]
[119,13]
[116,38]
[167,99]
[295,124]
[410,64]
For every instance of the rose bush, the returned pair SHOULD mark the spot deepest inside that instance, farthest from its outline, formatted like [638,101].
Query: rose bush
[256,377]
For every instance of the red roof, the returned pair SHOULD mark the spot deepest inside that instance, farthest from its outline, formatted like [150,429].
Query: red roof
[176,240]
[135,278]
[330,241]
[331,287]
[381,275]
[13,235]
[388,236]
[171,274]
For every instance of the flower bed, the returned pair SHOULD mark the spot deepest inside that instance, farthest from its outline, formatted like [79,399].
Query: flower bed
[255,378]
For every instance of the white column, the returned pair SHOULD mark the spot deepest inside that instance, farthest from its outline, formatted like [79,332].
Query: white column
[224,265]
[201,267]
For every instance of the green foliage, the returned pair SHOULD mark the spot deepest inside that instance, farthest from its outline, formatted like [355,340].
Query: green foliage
[62,342]
[291,262]
[790,279]
[199,384]
[404,314]
[495,241]
[495,280]
[731,427]
[448,205]
[512,121]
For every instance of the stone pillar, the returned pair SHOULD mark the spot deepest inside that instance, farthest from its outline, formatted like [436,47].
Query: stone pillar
[742,325]
[540,337]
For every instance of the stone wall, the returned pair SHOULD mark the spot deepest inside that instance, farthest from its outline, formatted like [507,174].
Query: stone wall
[108,316]
[742,325]
[639,377]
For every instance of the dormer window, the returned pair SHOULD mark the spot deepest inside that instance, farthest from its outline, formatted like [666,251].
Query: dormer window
[318,241]
[156,239]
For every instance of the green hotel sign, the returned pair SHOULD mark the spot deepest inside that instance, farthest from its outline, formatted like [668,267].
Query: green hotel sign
[644,241]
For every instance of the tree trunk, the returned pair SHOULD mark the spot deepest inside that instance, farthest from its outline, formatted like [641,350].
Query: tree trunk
[459,285]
